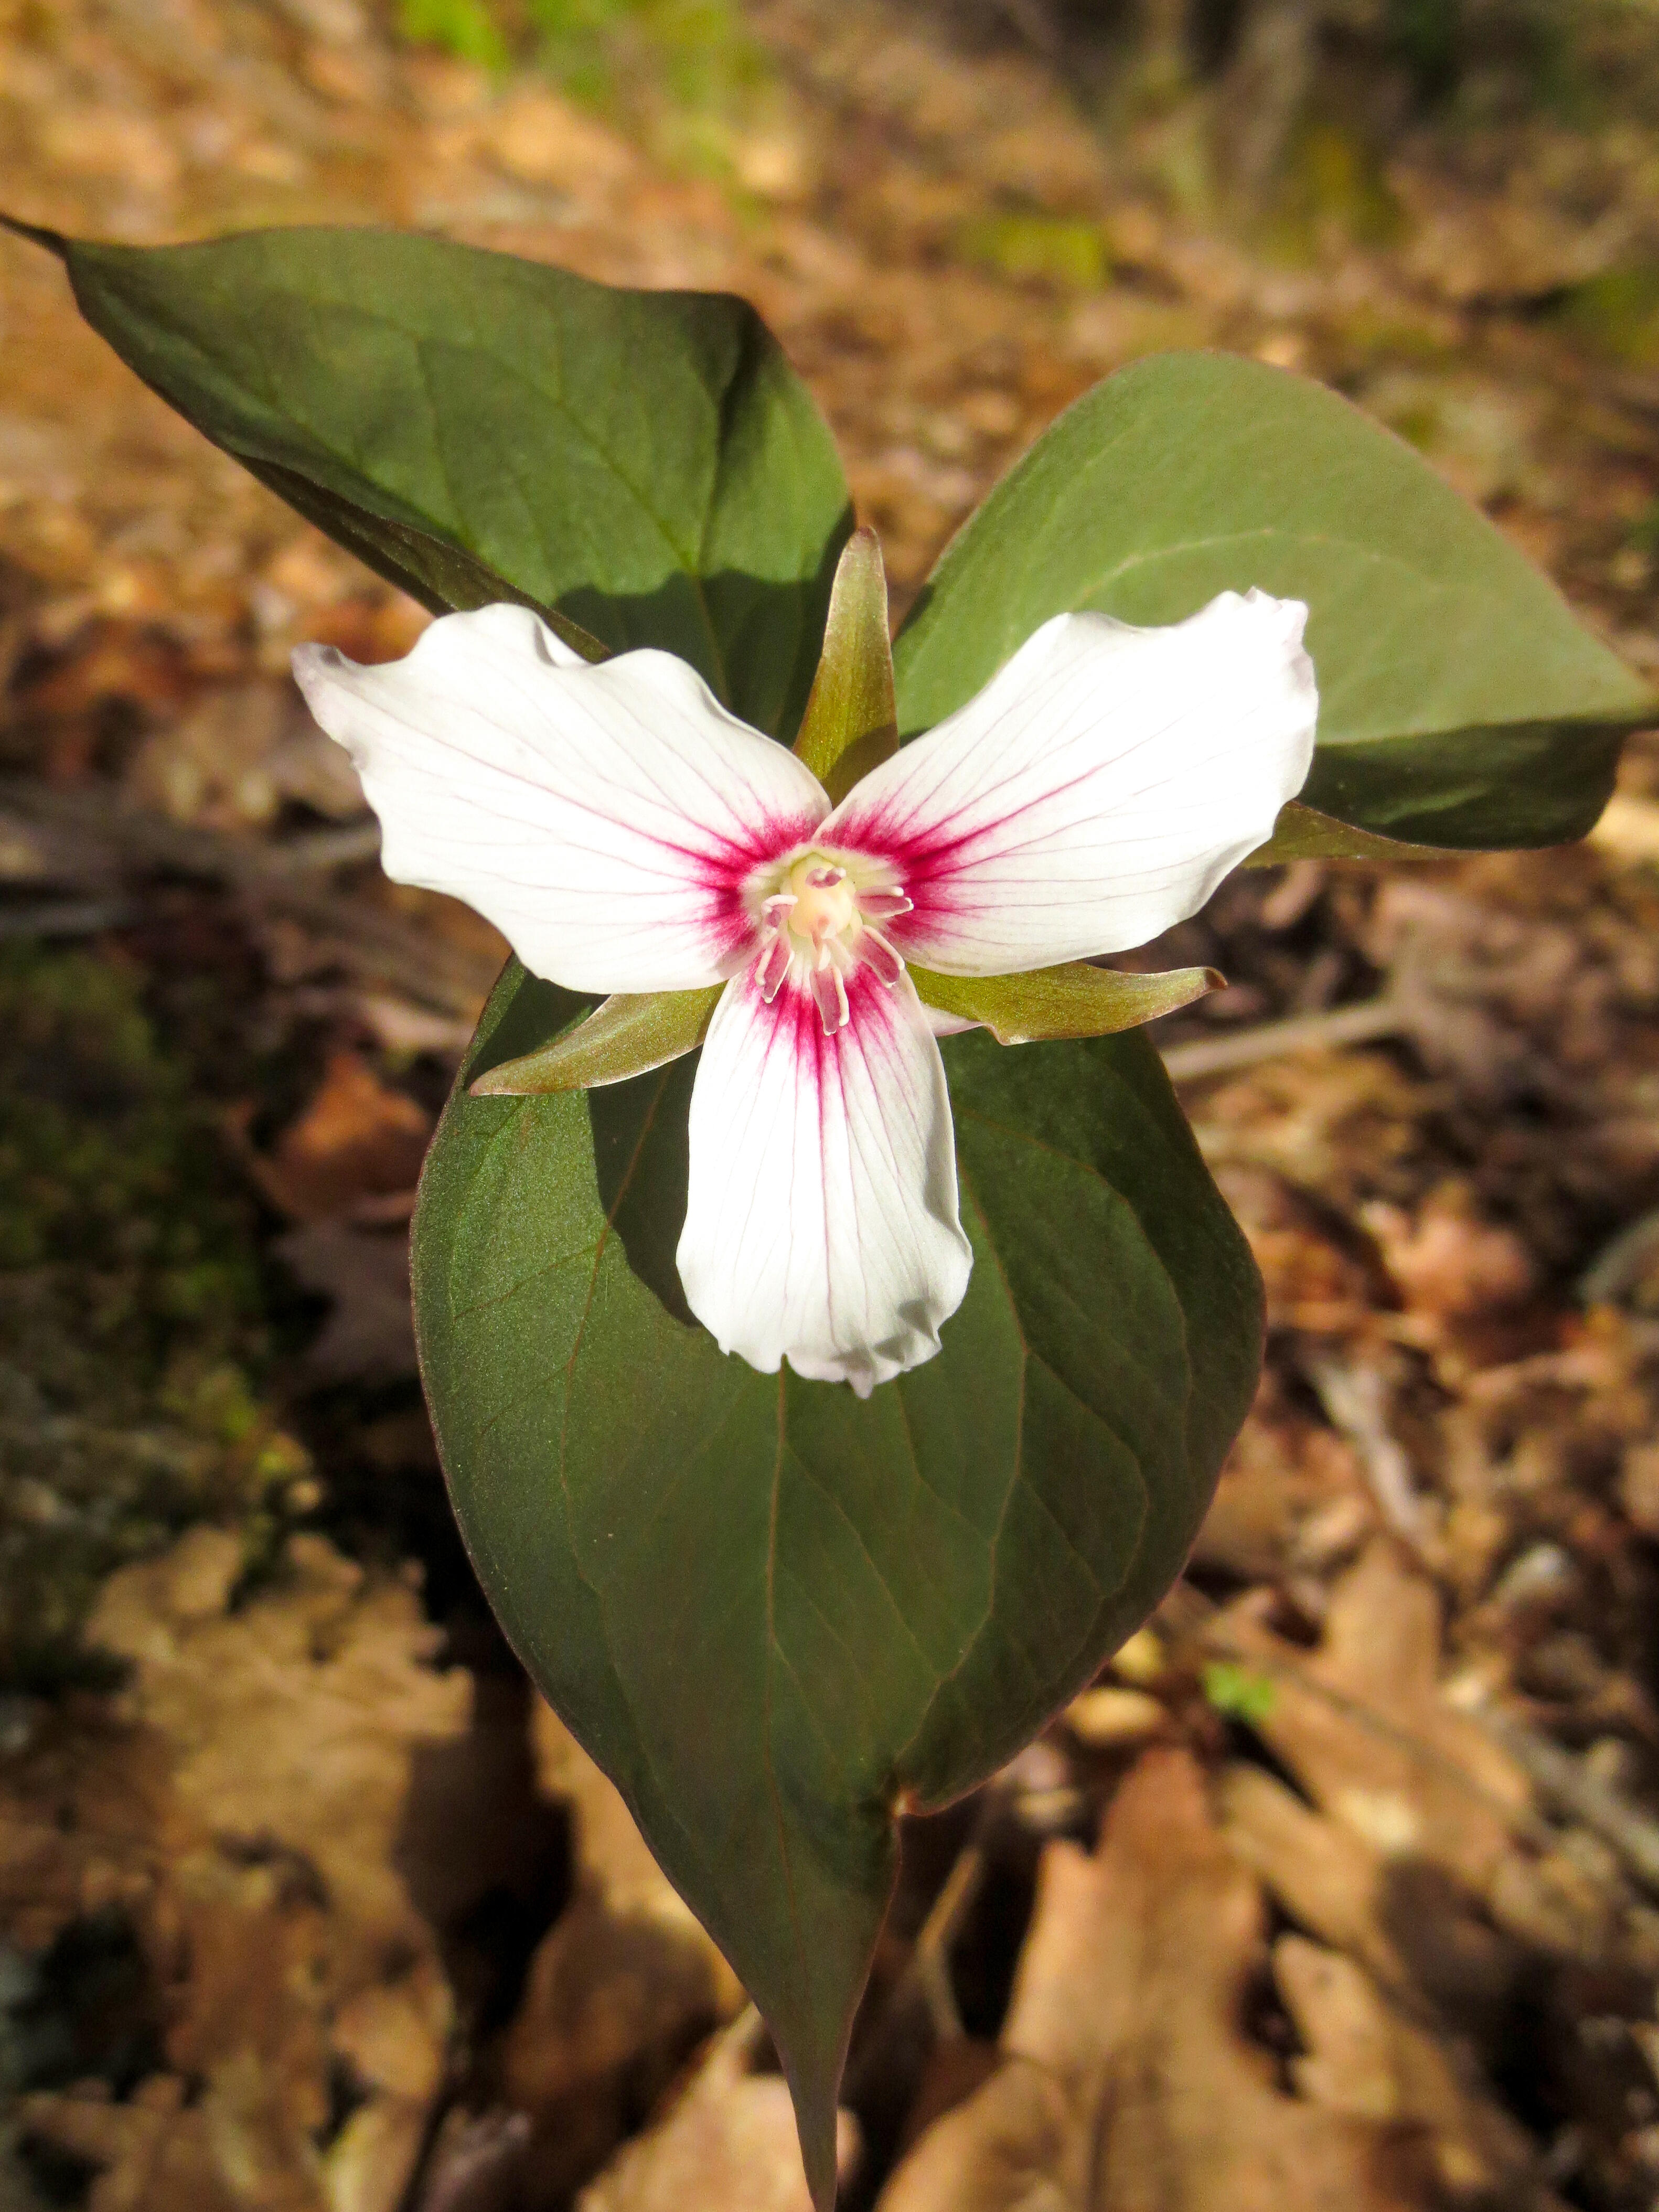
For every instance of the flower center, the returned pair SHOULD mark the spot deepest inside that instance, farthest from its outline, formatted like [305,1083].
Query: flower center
[826,899]
[818,916]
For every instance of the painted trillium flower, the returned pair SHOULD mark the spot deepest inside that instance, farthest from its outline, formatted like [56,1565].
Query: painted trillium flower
[628,835]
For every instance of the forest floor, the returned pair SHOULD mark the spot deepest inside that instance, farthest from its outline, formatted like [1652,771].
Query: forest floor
[1342,1885]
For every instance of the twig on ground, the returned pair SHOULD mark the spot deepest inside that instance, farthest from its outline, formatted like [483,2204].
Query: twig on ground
[930,1960]
[64,917]
[277,875]
[1574,1789]
[317,850]
[924,1986]
[1363,1024]
[1355,1400]
[1034,22]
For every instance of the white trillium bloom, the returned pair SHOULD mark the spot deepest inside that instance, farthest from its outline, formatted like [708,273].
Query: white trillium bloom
[626,832]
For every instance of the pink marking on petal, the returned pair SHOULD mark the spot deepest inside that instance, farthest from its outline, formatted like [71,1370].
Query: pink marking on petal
[733,863]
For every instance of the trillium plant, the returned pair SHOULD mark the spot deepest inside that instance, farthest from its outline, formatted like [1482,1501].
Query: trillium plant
[831,1332]
[628,835]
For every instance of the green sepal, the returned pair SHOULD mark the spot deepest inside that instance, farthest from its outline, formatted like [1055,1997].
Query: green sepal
[630,1035]
[1302,833]
[851,723]
[1075,1001]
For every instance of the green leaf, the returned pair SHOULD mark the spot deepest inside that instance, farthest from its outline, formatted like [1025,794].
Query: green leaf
[1076,1001]
[477,428]
[850,724]
[627,1035]
[1460,702]
[1237,1694]
[776,1614]
[1301,834]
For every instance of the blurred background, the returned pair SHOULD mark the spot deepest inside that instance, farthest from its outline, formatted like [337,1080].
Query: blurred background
[1342,1885]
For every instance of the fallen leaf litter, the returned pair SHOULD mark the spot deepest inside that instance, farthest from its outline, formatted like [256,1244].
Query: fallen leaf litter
[1343,1885]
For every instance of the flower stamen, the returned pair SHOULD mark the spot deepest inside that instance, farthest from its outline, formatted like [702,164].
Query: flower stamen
[829,989]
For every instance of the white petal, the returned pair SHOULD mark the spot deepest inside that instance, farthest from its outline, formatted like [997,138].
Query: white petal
[1097,791]
[821,1225]
[602,818]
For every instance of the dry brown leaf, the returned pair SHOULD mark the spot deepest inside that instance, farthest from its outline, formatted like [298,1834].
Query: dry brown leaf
[1409,1927]
[1366,2059]
[541,139]
[152,2154]
[1422,1831]
[1133,1975]
[614,1863]
[1016,2145]
[1451,1264]
[1128,1999]
[111,660]
[1339,1123]
[291,1723]
[354,1153]
[373,625]
[1348,2063]
[83,1818]
[729,2145]
[608,1994]
[369,1335]
[1312,1282]
[1362,1726]
[1291,1499]
[621,1988]
[237,756]
[1512,245]
[373,2160]
[1328,1878]
[262,1762]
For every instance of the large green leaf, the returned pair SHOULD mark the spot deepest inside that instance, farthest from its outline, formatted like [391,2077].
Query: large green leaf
[773,1612]
[1460,702]
[479,427]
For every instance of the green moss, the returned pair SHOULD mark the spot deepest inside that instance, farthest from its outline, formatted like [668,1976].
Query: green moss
[466,28]
[132,1328]
[1428,37]
[1332,189]
[695,54]
[1069,255]
[1618,313]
